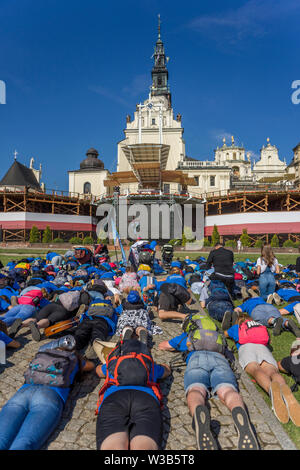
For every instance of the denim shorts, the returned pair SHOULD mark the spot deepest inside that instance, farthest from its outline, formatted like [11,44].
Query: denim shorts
[210,370]
[262,313]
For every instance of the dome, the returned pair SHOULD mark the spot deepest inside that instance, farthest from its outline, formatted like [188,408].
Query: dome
[92,162]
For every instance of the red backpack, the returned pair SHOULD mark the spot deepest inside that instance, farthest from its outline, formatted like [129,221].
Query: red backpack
[251,331]
[130,363]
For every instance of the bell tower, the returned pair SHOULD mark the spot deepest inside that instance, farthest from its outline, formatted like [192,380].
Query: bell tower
[159,72]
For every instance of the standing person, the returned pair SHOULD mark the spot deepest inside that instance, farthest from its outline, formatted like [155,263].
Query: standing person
[239,245]
[266,266]
[221,260]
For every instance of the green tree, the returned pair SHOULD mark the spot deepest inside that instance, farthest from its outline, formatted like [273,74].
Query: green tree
[47,235]
[88,241]
[58,240]
[215,237]
[288,244]
[34,236]
[206,242]
[275,241]
[258,243]
[183,240]
[245,239]
[75,241]
[230,243]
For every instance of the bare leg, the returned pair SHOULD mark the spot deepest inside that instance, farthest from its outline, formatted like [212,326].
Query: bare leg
[168,315]
[230,397]
[196,396]
[116,441]
[143,443]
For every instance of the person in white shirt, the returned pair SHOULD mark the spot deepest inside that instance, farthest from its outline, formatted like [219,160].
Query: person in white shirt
[266,267]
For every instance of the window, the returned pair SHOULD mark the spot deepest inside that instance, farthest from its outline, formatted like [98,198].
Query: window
[87,188]
[153,122]
[197,180]
[234,155]
[212,180]
[166,188]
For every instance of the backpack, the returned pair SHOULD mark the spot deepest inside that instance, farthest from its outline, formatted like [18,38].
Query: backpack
[251,331]
[100,309]
[178,291]
[52,367]
[130,363]
[145,257]
[97,285]
[203,334]
[70,300]
[61,278]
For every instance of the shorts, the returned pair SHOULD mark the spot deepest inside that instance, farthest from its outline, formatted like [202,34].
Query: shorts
[210,370]
[132,411]
[168,302]
[255,353]
[262,313]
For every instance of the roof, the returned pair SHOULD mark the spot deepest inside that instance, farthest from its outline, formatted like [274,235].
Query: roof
[20,175]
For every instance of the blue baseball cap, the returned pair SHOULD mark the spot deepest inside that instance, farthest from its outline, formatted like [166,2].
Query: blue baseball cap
[133,297]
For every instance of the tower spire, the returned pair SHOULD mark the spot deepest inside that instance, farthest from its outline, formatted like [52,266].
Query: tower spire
[159,72]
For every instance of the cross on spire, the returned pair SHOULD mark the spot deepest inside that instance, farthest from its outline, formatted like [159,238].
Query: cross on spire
[15,154]
[159,23]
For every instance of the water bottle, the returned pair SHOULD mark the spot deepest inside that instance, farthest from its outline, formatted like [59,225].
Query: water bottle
[67,342]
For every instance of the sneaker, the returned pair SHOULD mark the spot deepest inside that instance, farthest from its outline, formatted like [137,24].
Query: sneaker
[291,403]
[227,320]
[14,300]
[234,317]
[36,335]
[253,293]
[246,436]
[278,404]
[127,333]
[277,299]
[80,310]
[291,326]
[201,425]
[143,336]
[244,293]
[13,330]
[277,326]
[297,312]
[270,299]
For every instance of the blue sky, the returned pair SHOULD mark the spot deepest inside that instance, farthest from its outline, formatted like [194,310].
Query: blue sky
[74,70]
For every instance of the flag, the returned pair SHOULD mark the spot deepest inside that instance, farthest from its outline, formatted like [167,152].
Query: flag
[117,241]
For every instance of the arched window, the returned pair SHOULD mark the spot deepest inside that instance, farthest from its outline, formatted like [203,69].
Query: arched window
[87,188]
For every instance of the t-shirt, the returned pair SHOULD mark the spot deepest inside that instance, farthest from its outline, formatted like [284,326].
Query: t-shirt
[179,343]
[222,261]
[50,256]
[287,294]
[250,304]
[290,308]
[3,337]
[176,279]
[233,333]
[263,265]
[292,365]
[157,374]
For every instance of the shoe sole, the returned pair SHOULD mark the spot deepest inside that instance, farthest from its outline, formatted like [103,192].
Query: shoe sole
[278,405]
[246,437]
[227,320]
[13,330]
[36,335]
[277,327]
[127,335]
[292,404]
[144,337]
[204,437]
[277,299]
[270,299]
[293,328]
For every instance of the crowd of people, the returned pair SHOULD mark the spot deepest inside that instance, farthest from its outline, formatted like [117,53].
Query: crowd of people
[84,300]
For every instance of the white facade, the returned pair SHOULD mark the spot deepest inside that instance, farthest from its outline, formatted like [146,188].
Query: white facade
[269,164]
[78,182]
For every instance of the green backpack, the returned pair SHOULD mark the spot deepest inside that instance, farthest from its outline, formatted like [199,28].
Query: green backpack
[203,334]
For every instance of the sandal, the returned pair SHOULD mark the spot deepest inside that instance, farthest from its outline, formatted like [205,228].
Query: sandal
[247,439]
[201,424]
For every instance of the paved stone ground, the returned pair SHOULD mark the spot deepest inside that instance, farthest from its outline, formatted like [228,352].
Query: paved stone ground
[77,428]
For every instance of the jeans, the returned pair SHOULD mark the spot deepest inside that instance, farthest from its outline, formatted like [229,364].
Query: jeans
[267,283]
[210,370]
[262,313]
[29,418]
[217,308]
[19,311]
[56,260]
